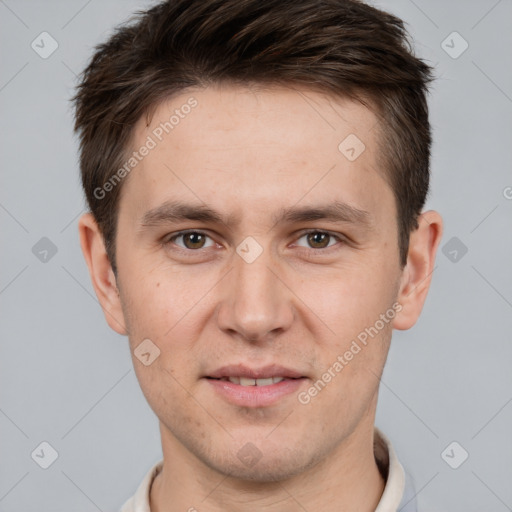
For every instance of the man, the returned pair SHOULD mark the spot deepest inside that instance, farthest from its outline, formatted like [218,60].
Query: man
[256,173]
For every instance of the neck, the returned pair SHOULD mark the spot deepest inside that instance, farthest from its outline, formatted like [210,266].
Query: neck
[347,479]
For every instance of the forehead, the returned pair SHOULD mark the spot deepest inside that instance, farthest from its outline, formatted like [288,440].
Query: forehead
[258,113]
[248,148]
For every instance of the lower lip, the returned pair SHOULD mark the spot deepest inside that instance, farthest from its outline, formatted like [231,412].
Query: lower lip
[255,396]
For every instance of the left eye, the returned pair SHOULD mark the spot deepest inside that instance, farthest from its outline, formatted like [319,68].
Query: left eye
[192,240]
[318,239]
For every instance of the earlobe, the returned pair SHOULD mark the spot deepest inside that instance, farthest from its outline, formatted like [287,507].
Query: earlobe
[100,270]
[417,274]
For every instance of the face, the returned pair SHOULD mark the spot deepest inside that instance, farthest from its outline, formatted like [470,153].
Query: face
[290,254]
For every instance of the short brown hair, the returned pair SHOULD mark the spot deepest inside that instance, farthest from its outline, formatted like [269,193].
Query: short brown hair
[342,47]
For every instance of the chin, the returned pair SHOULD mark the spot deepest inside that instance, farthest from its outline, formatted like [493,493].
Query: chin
[276,467]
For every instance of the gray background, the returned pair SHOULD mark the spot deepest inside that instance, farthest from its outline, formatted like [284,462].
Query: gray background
[67,379]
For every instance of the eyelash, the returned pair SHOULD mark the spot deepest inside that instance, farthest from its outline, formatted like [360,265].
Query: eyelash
[168,240]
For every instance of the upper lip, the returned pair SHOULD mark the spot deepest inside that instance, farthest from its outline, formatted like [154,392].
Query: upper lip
[265,372]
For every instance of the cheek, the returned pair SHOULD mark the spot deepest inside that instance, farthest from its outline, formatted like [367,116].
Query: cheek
[350,299]
[166,308]
[157,301]
[350,302]
[163,389]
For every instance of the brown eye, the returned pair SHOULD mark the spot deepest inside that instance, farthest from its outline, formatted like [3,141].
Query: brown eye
[194,240]
[318,240]
[315,241]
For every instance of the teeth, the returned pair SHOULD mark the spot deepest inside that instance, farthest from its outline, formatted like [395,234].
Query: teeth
[264,382]
[244,381]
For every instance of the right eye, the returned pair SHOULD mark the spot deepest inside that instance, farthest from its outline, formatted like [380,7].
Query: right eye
[192,240]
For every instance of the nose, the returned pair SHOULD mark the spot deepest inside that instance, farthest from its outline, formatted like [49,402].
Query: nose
[256,305]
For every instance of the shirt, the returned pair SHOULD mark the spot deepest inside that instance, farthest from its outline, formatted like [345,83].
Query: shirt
[398,495]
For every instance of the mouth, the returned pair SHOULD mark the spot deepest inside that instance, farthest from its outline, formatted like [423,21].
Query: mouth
[246,374]
[255,387]
[247,381]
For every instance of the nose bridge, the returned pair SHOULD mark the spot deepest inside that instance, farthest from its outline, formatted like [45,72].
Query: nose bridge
[256,302]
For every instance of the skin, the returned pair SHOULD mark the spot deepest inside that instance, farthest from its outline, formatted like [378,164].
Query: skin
[251,152]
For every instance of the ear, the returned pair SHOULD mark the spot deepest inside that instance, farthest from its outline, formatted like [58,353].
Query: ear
[417,273]
[100,270]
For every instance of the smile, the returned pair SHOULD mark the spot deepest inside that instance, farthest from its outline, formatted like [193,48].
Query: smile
[244,381]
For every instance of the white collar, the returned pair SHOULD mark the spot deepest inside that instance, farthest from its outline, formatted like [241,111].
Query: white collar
[393,498]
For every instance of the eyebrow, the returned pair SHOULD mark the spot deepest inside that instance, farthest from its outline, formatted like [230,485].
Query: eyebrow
[177,211]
